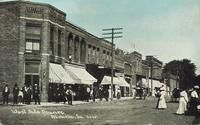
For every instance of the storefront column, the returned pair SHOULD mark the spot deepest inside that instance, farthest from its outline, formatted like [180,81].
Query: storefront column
[44,74]
[21,64]
[44,71]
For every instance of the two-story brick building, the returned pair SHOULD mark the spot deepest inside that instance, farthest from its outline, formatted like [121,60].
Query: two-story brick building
[38,46]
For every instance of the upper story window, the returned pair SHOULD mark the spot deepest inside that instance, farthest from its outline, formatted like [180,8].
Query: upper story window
[59,42]
[51,48]
[33,38]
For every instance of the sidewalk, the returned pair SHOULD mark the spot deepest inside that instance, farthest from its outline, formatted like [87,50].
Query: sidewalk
[74,102]
[50,104]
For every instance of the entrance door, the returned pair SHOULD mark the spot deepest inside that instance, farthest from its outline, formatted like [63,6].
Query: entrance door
[31,80]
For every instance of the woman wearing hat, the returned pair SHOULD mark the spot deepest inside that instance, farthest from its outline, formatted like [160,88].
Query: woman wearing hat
[182,103]
[193,101]
[162,102]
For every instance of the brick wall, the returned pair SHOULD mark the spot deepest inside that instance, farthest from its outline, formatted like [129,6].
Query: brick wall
[9,36]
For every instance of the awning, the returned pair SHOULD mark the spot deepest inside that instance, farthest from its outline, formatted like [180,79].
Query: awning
[57,74]
[80,75]
[123,82]
[107,81]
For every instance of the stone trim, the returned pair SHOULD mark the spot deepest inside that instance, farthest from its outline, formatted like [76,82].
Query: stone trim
[38,19]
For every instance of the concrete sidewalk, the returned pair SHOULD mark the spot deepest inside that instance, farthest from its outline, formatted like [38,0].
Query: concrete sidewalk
[66,104]
[74,102]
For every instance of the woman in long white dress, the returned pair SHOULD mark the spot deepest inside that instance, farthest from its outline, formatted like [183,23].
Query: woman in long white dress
[182,108]
[162,102]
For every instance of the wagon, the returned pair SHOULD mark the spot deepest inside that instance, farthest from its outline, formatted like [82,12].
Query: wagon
[140,93]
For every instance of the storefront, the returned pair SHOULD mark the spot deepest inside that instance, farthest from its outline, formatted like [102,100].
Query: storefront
[118,83]
[82,79]
[58,78]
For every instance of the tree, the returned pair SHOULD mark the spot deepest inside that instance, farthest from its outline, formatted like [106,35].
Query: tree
[184,70]
[197,80]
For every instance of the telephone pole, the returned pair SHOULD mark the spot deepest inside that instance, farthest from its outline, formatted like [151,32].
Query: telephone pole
[111,34]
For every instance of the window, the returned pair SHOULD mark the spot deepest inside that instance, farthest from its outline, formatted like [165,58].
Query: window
[97,55]
[51,49]
[31,67]
[59,43]
[33,38]
[32,46]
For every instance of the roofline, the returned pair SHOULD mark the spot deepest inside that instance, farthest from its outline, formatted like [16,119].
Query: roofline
[85,31]
[34,3]
[66,21]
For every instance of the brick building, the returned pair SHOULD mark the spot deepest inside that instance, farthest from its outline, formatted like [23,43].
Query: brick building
[36,40]
[38,45]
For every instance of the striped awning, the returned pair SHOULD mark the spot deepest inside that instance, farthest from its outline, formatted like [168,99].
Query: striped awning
[79,74]
[57,74]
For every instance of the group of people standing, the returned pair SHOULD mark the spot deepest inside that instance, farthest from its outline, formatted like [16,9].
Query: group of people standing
[188,102]
[24,95]
[61,94]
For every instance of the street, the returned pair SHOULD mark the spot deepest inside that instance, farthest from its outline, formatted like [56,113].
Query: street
[115,112]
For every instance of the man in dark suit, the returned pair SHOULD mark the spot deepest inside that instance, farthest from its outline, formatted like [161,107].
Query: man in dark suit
[69,94]
[36,94]
[5,94]
[15,94]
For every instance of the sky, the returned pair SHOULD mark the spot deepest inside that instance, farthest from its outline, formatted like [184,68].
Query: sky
[166,29]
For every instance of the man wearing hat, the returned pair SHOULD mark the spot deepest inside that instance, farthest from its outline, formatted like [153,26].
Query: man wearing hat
[36,94]
[193,101]
[69,94]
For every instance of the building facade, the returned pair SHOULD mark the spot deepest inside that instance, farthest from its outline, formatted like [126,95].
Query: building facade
[33,35]
[36,40]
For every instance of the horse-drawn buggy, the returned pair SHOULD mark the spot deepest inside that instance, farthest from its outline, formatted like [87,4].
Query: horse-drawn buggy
[140,93]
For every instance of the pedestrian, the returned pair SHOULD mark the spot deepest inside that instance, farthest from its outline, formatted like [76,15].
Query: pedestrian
[106,94]
[162,102]
[109,93]
[20,96]
[87,93]
[36,94]
[69,94]
[58,94]
[192,110]
[134,93]
[118,93]
[15,94]
[157,94]
[29,94]
[25,94]
[100,93]
[64,94]
[182,103]
[5,94]
[93,93]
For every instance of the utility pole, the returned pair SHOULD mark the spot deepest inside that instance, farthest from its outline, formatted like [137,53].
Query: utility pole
[113,32]
[152,77]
